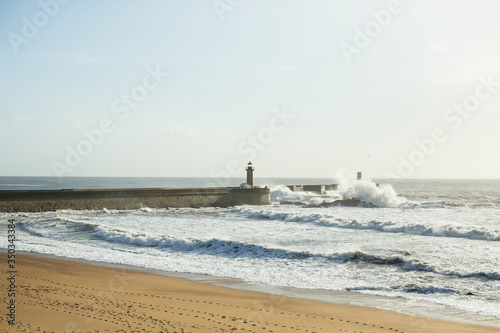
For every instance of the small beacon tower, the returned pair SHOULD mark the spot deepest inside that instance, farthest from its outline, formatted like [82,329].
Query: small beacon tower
[250,170]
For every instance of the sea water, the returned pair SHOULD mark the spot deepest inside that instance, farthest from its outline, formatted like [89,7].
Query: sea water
[430,244]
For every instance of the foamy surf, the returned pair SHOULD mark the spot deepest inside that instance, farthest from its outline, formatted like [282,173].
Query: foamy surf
[319,218]
[368,191]
[365,191]
[438,249]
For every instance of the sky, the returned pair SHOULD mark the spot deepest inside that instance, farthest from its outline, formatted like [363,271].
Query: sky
[302,88]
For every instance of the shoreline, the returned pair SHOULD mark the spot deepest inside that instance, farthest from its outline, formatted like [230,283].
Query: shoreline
[335,297]
[54,286]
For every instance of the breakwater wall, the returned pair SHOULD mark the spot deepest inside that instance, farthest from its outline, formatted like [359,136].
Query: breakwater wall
[321,189]
[51,200]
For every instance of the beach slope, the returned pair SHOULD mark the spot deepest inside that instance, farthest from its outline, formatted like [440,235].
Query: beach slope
[66,296]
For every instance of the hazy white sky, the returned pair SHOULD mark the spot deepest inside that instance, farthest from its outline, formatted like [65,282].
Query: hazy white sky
[304,88]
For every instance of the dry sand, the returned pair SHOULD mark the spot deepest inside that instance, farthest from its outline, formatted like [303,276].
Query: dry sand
[60,295]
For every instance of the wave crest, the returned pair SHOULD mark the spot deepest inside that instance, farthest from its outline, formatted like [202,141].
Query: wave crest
[235,249]
[326,220]
[368,191]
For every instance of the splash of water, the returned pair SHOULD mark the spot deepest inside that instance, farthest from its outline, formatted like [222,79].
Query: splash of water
[368,191]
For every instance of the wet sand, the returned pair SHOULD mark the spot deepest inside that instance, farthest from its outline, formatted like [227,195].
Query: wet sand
[66,296]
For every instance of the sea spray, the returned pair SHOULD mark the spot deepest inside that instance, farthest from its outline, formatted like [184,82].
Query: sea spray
[364,190]
[282,193]
[368,191]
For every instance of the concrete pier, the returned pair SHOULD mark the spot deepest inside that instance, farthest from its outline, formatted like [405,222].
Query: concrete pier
[51,200]
[321,189]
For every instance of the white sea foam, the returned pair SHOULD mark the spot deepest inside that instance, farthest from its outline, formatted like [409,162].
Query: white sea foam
[368,191]
[282,193]
[307,215]
[227,248]
[147,210]
[433,249]
[363,190]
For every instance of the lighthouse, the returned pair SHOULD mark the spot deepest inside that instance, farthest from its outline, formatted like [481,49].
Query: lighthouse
[250,170]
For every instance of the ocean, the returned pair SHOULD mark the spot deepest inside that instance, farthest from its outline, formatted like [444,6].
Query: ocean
[432,247]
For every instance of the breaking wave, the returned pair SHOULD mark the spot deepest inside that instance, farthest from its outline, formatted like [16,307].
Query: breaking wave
[362,190]
[368,191]
[56,227]
[281,193]
[412,288]
[326,220]
[235,249]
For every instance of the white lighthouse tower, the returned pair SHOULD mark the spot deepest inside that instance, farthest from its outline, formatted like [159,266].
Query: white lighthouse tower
[250,170]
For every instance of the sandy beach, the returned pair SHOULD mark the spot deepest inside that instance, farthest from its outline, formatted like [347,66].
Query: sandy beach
[65,296]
